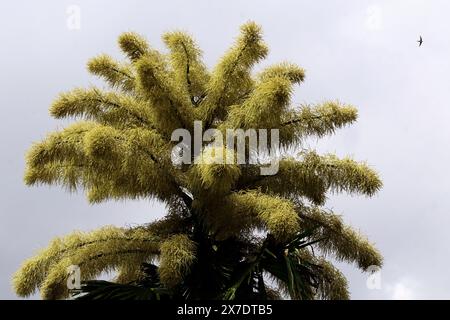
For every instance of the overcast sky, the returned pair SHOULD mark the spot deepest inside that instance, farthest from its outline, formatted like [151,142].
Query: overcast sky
[360,52]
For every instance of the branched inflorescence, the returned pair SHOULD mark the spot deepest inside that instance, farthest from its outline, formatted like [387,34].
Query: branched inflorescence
[207,245]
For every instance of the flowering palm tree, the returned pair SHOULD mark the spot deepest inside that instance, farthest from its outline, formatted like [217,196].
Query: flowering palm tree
[229,232]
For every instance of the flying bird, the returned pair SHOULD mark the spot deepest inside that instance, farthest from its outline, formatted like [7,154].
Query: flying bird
[420,41]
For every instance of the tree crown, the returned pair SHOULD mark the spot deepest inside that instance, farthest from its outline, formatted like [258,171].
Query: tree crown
[121,147]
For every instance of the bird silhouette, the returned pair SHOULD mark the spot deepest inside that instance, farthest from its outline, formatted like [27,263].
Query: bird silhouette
[420,41]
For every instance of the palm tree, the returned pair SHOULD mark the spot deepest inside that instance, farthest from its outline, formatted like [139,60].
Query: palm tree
[229,232]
